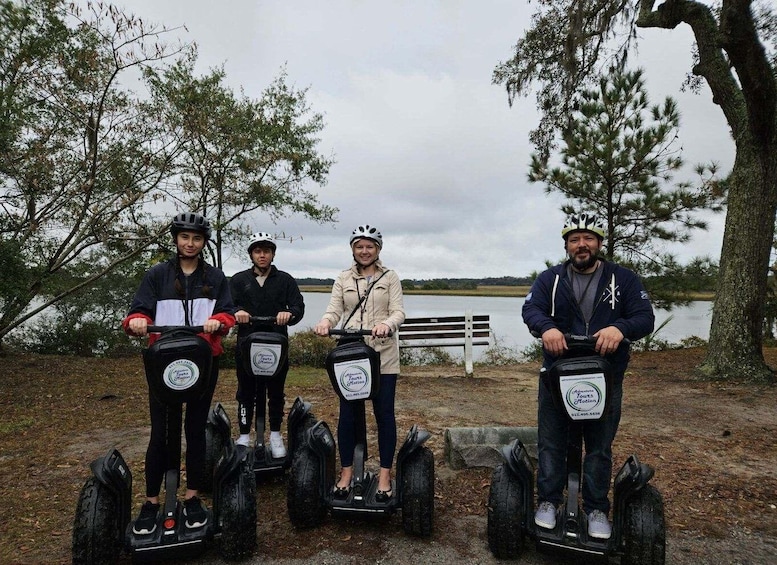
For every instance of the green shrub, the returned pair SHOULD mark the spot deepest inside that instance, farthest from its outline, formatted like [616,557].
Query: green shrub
[500,355]
[308,349]
[533,352]
[425,356]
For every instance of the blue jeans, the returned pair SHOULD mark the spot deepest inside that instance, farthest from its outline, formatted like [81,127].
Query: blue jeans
[383,407]
[552,435]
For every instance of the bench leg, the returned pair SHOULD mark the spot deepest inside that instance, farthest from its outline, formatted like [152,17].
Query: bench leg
[468,369]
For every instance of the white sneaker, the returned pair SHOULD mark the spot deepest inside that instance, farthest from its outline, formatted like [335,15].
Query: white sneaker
[244,440]
[276,446]
[598,525]
[545,516]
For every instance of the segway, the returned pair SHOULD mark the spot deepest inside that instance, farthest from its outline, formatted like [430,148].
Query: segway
[354,372]
[263,354]
[580,382]
[178,369]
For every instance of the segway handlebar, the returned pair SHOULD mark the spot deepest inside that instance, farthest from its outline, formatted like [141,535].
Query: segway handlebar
[163,329]
[352,331]
[256,319]
[575,341]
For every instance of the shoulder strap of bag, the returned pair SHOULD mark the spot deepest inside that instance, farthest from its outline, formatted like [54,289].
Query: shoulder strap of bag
[362,299]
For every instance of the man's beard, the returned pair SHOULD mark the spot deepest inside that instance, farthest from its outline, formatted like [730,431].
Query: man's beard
[585,264]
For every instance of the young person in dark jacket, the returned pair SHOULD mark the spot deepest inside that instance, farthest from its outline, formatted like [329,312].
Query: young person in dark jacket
[263,290]
[184,291]
[586,295]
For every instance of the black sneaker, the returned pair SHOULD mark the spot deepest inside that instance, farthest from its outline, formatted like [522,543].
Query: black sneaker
[195,512]
[146,522]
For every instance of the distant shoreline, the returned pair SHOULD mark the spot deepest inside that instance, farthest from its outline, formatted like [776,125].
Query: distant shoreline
[501,291]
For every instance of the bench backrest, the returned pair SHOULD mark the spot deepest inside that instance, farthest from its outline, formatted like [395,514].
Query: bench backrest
[445,328]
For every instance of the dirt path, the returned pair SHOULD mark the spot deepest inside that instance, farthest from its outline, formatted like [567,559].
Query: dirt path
[712,445]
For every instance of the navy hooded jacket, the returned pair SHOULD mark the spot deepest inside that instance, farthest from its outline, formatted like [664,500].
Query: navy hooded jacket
[621,301]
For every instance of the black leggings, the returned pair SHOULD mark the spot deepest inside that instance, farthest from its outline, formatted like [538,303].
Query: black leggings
[160,457]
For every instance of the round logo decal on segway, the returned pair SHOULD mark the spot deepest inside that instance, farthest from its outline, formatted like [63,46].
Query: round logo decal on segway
[584,396]
[354,379]
[264,360]
[182,374]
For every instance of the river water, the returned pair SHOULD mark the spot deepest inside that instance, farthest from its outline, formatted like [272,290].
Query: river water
[505,312]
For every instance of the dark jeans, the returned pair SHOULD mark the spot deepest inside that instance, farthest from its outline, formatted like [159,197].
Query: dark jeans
[553,425]
[266,393]
[383,407]
[166,422]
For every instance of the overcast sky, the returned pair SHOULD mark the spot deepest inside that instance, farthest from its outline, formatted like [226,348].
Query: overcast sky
[426,148]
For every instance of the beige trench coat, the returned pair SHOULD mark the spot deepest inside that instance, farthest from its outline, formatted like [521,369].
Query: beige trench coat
[384,305]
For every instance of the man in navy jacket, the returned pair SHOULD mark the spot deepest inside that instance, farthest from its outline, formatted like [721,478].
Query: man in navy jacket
[585,295]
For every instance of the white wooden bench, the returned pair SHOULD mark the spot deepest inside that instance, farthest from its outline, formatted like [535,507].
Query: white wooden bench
[448,331]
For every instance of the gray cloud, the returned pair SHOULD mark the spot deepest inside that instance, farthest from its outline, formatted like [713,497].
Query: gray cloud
[426,148]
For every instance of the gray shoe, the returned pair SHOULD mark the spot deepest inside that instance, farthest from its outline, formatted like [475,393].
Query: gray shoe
[545,516]
[598,525]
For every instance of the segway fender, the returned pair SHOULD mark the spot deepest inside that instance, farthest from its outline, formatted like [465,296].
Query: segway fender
[298,411]
[416,437]
[219,419]
[112,471]
[230,461]
[319,439]
[632,476]
[519,464]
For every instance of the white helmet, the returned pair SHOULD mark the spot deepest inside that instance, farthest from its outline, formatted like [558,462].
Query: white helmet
[259,238]
[367,232]
[583,222]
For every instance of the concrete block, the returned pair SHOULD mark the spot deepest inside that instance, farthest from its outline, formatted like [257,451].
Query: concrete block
[482,447]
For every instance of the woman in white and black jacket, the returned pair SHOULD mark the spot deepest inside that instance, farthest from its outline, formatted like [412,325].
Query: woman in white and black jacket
[184,291]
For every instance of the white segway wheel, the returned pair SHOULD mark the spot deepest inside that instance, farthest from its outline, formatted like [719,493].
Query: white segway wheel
[238,514]
[505,535]
[644,528]
[95,530]
[304,503]
[418,493]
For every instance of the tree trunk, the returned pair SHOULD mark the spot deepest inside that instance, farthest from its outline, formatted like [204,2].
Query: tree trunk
[736,337]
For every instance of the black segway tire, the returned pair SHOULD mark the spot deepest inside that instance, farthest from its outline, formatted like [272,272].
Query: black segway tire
[304,503]
[214,445]
[238,514]
[96,535]
[644,528]
[418,493]
[505,535]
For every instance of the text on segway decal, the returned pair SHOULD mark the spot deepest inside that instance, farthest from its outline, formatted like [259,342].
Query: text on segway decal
[265,359]
[584,395]
[181,374]
[354,378]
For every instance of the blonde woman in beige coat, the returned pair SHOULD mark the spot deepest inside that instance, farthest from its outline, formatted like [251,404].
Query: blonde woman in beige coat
[382,312]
